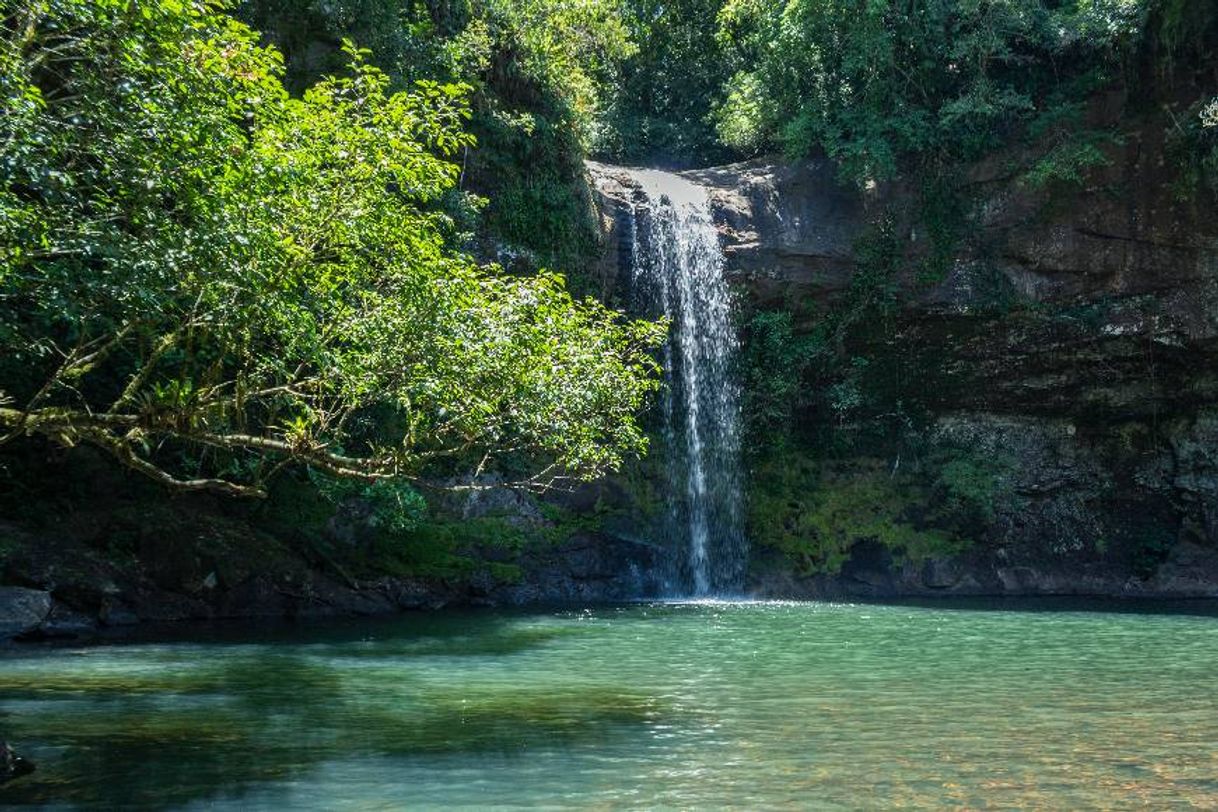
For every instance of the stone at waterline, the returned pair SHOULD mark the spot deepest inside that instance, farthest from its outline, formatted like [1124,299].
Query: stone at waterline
[22,610]
[115,613]
[13,765]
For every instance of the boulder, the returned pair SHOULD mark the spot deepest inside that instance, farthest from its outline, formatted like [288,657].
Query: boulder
[22,610]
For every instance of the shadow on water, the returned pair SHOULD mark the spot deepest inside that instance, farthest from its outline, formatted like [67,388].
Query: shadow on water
[442,624]
[208,723]
[495,642]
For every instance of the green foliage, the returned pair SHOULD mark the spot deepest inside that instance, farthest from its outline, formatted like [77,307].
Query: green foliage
[448,548]
[209,278]
[1071,157]
[660,112]
[1182,36]
[542,75]
[1192,147]
[1067,163]
[875,284]
[845,396]
[527,56]
[875,82]
[394,506]
[968,490]
[772,362]
[544,81]
[545,214]
[821,372]
[815,514]
[573,50]
[942,214]
[309,33]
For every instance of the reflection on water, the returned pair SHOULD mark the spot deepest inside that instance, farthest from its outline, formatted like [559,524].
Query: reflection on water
[665,705]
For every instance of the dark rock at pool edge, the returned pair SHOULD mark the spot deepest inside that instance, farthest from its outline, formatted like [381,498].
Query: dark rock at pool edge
[12,765]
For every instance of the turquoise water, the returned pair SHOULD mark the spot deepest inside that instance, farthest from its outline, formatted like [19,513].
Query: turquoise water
[752,705]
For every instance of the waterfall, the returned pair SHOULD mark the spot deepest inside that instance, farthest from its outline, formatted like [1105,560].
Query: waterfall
[677,269]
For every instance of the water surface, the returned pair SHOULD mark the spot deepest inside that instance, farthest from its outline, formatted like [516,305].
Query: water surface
[761,705]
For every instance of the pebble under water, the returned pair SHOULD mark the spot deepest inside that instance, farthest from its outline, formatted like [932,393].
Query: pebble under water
[696,705]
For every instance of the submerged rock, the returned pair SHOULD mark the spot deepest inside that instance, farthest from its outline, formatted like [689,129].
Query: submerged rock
[12,765]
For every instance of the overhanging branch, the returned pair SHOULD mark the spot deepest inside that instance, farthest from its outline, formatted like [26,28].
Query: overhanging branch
[122,434]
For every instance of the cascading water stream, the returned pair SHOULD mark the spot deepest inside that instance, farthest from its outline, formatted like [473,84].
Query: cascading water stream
[677,267]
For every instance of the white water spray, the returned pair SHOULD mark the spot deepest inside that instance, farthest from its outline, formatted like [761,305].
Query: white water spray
[678,269]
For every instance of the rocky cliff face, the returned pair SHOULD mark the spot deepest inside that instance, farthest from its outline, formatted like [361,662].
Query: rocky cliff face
[1070,332]
[94,547]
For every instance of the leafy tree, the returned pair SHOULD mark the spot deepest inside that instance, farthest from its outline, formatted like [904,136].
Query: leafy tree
[571,51]
[402,35]
[539,55]
[873,82]
[541,72]
[661,111]
[1181,36]
[211,279]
